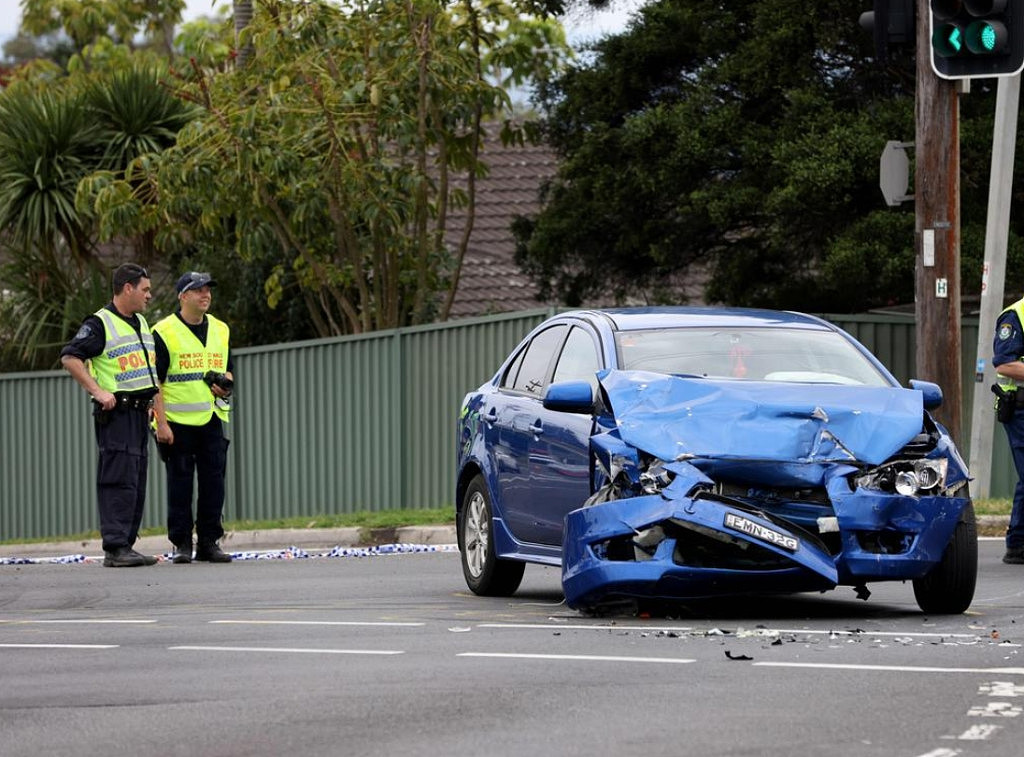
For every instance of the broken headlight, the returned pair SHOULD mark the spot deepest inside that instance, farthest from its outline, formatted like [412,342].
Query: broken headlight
[655,478]
[906,477]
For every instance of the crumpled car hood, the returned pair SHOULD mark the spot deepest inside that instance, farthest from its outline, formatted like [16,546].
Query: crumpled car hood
[679,418]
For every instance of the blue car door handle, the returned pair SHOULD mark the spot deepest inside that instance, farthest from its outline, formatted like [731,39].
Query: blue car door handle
[492,415]
[537,428]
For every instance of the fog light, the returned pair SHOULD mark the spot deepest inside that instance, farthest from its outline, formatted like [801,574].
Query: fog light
[906,483]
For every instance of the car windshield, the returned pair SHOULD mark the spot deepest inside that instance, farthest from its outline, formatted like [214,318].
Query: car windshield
[753,354]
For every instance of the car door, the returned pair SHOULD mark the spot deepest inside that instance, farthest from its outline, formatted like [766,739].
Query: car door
[560,471]
[516,408]
[542,457]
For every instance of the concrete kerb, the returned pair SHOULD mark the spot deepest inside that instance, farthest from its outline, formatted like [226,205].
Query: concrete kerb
[254,541]
[993,525]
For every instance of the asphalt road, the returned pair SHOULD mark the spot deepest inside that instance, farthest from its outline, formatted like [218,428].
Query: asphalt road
[391,655]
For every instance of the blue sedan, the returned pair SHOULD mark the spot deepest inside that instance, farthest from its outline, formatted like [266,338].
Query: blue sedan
[662,454]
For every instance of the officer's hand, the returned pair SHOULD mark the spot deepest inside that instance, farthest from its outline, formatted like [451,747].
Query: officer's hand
[164,435]
[106,399]
[218,392]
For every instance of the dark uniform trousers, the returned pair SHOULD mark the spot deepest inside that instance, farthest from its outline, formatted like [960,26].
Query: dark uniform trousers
[199,453]
[122,435]
[1015,433]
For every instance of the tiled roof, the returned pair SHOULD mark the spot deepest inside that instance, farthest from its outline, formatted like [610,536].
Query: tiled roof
[490,281]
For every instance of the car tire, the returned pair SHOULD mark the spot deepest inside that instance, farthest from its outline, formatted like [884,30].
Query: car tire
[948,588]
[485,574]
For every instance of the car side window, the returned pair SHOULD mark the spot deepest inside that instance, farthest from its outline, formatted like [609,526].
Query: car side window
[578,361]
[533,371]
[509,379]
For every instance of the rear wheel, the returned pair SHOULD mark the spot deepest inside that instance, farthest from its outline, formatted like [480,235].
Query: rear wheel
[948,588]
[485,573]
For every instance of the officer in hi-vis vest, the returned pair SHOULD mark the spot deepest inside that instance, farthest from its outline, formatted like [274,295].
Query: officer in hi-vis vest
[1008,360]
[193,365]
[118,347]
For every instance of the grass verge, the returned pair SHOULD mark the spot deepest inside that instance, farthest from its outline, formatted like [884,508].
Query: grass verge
[440,516]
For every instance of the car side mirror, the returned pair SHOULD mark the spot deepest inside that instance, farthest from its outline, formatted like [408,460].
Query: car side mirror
[570,397]
[932,393]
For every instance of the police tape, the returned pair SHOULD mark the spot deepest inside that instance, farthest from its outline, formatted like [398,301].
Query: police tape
[290,553]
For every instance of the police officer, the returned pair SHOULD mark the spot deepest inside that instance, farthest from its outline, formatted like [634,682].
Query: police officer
[121,379]
[1008,359]
[194,369]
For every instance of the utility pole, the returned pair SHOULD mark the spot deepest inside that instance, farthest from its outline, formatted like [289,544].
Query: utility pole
[993,279]
[937,230]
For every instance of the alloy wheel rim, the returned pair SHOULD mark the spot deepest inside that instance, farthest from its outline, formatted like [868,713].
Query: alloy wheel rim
[476,534]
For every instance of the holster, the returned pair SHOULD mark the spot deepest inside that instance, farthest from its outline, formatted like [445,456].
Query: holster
[101,416]
[1006,403]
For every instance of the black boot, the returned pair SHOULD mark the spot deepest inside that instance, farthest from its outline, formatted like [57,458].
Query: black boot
[182,553]
[123,557]
[210,552]
[1014,556]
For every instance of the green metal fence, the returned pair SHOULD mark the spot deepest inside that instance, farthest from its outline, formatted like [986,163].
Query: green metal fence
[325,426]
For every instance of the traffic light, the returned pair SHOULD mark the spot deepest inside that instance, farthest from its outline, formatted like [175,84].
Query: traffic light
[891,23]
[972,39]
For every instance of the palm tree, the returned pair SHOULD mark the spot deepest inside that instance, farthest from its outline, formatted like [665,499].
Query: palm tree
[47,144]
[53,144]
[137,116]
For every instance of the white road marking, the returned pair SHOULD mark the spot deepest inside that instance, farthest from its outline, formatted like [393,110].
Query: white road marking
[288,650]
[759,631]
[1001,689]
[315,623]
[976,733]
[59,646]
[898,634]
[79,620]
[582,657]
[891,668]
[584,626]
[941,752]
[995,710]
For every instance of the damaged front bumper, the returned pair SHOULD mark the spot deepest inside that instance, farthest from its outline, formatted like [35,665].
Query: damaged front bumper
[711,489]
[662,548]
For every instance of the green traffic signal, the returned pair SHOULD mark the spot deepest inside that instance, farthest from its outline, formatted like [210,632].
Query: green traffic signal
[947,40]
[977,38]
[986,37]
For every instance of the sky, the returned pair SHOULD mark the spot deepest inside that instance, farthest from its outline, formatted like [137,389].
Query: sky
[578,28]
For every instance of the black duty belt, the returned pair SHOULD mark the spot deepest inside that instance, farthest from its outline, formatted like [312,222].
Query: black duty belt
[129,402]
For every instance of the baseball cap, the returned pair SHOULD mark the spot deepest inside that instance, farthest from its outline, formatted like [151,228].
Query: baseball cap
[194,280]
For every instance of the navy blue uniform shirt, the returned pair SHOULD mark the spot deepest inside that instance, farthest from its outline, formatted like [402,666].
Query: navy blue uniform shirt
[91,338]
[1008,344]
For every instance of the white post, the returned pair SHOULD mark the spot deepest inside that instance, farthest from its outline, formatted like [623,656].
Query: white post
[997,225]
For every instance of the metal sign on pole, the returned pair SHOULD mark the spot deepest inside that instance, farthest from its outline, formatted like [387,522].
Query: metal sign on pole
[997,226]
[894,172]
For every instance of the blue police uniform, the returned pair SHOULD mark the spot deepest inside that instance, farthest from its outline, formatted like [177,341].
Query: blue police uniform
[1008,347]
[122,435]
[199,453]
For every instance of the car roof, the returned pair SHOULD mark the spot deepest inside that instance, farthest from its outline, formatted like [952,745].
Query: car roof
[631,319]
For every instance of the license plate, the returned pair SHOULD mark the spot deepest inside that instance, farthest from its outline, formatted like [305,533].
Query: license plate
[761,533]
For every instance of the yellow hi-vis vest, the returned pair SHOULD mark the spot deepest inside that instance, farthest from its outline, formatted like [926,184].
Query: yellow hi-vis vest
[187,398]
[127,363]
[1008,384]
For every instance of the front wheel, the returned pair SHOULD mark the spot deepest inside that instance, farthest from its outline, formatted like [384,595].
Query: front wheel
[485,574]
[948,588]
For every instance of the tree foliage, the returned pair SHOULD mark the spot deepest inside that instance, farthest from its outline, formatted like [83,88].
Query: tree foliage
[329,159]
[58,127]
[87,23]
[741,138]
